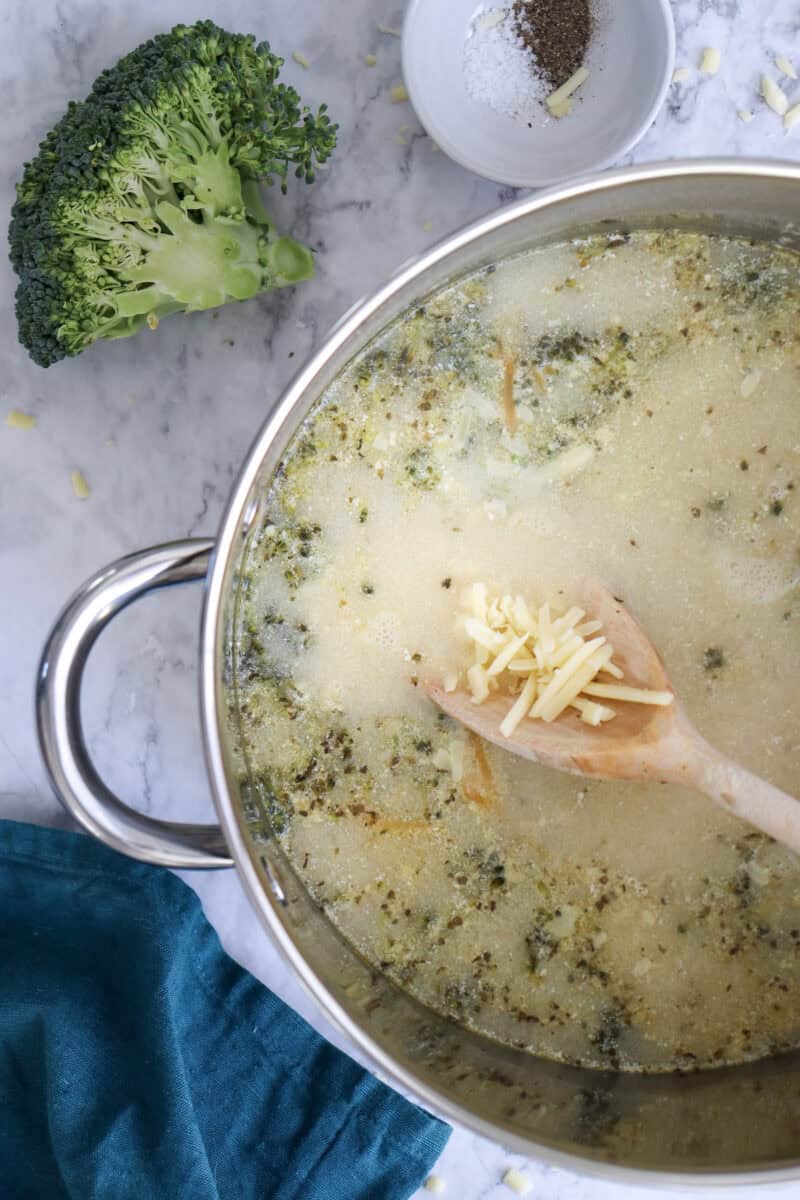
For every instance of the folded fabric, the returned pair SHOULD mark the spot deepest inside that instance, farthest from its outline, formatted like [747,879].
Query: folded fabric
[139,1062]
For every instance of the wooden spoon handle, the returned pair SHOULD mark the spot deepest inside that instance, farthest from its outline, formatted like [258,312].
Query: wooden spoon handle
[740,792]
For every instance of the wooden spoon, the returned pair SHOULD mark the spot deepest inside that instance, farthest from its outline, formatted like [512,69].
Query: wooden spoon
[645,742]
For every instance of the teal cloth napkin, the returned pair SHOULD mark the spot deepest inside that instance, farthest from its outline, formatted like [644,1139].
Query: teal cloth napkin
[139,1062]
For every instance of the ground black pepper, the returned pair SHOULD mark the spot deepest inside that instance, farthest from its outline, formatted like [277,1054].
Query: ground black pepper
[557,33]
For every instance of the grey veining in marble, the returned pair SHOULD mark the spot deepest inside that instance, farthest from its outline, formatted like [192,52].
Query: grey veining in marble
[159,423]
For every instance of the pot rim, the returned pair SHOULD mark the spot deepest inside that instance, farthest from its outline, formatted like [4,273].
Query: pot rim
[212,705]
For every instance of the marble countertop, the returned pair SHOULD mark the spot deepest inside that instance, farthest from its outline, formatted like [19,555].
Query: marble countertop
[159,424]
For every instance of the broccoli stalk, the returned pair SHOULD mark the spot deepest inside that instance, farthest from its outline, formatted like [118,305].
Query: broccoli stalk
[144,200]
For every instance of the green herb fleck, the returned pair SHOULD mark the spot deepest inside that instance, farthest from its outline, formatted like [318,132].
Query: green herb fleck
[713,659]
[421,470]
[541,945]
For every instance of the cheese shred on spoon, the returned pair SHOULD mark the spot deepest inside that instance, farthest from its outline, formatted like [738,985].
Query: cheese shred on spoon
[549,660]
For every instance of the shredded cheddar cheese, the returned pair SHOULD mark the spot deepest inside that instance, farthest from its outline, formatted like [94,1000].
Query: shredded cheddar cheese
[550,661]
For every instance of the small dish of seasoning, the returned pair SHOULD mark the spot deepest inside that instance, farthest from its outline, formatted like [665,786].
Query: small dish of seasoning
[533,92]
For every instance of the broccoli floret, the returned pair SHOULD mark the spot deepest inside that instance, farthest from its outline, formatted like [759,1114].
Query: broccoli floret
[144,199]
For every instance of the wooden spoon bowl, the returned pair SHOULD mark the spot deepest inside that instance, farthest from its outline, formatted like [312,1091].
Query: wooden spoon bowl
[643,742]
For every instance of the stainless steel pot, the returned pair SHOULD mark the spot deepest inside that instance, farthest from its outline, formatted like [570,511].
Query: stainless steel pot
[729,1126]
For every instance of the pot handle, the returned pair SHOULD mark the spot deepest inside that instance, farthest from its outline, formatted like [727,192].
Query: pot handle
[58,710]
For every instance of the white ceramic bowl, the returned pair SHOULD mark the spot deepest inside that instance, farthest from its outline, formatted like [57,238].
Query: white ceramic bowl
[630,61]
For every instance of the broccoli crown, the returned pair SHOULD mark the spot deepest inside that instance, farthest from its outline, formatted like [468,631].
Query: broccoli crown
[144,198]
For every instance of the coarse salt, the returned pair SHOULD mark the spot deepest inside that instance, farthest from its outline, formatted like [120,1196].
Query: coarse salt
[489,18]
[498,70]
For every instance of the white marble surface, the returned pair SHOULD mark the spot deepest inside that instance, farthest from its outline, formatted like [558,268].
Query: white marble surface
[160,423]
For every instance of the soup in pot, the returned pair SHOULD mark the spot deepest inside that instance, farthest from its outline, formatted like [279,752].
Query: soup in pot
[625,407]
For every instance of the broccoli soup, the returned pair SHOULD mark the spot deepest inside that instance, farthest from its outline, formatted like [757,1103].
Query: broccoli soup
[623,407]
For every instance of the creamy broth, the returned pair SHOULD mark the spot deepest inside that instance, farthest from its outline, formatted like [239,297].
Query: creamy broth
[652,440]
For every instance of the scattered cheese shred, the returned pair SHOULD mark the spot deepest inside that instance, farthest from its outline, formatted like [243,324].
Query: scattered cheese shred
[301,59]
[785,67]
[556,98]
[390,30]
[744,114]
[79,485]
[679,74]
[563,108]
[370,60]
[399,94]
[436,1185]
[791,117]
[773,95]
[17,419]
[709,63]
[547,661]
[517,1181]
